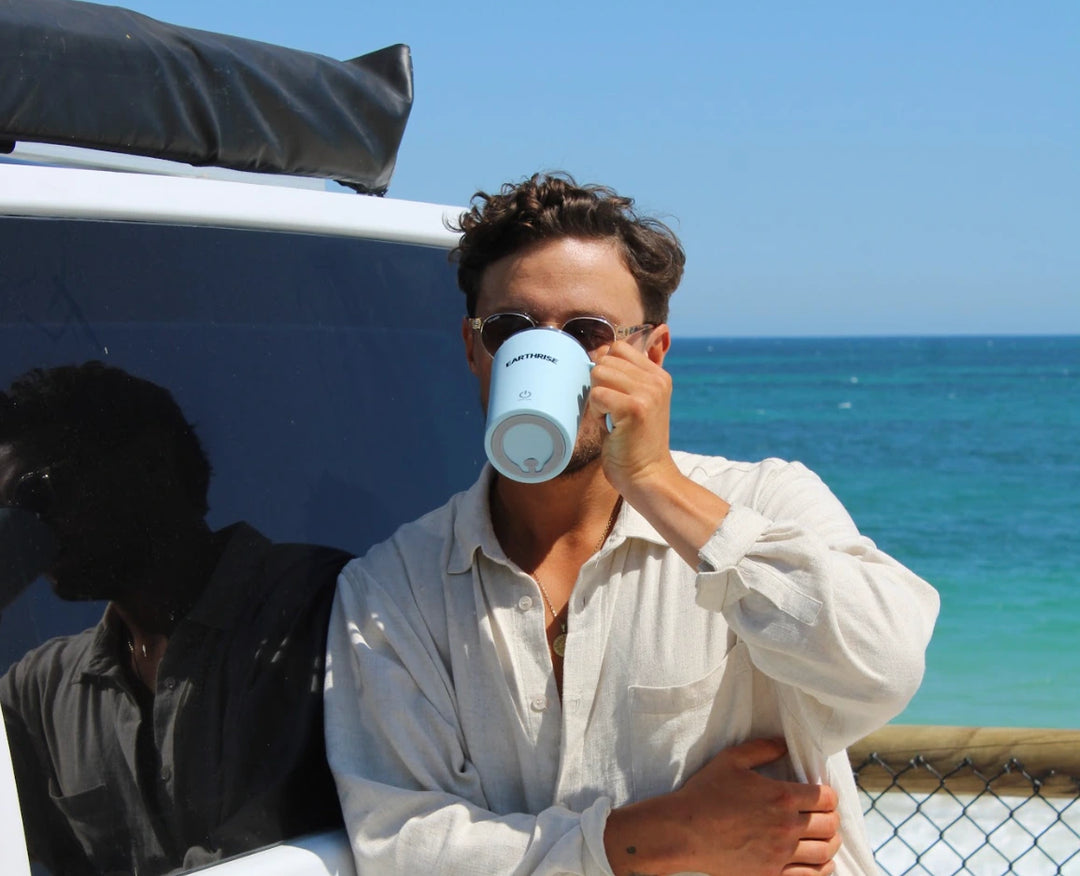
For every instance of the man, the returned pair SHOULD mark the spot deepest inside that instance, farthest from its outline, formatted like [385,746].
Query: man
[187,725]
[590,674]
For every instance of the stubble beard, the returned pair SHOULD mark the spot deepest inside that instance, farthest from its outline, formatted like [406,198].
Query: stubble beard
[586,453]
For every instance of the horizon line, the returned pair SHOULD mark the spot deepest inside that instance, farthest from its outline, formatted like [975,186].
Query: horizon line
[875,336]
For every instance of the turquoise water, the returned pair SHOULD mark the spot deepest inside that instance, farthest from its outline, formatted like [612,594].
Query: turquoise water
[960,457]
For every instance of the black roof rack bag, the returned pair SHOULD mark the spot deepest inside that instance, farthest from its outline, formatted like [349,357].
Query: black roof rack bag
[102,77]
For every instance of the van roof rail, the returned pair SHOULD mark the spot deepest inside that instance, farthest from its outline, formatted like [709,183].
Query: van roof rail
[53,155]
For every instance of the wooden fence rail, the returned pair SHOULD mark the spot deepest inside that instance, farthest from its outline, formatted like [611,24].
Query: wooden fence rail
[1005,760]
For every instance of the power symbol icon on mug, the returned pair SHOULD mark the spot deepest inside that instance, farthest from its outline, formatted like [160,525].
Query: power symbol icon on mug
[524,394]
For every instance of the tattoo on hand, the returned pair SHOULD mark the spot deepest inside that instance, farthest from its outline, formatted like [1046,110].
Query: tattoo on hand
[632,850]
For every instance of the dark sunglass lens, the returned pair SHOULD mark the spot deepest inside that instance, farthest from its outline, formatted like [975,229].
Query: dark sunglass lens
[590,332]
[33,492]
[500,326]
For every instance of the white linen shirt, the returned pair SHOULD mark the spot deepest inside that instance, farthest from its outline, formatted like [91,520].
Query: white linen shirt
[452,750]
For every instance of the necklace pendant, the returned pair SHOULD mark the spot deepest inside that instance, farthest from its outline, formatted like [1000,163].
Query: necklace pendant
[559,645]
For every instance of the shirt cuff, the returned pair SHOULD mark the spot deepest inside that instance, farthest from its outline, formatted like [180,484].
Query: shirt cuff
[738,532]
[720,585]
[593,823]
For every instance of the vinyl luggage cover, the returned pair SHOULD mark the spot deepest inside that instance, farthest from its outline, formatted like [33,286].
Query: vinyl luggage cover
[102,77]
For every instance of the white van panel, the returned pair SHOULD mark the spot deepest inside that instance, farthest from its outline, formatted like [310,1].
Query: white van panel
[13,860]
[325,854]
[95,194]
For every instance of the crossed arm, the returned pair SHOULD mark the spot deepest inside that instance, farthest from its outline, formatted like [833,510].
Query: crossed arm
[728,819]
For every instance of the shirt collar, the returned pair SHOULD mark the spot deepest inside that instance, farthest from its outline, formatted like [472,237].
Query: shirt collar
[231,588]
[472,529]
[100,659]
[235,580]
[632,525]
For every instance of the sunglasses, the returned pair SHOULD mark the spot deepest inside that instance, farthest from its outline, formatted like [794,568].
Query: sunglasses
[33,491]
[592,332]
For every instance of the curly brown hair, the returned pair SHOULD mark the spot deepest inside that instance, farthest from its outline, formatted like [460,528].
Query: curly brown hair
[83,410]
[551,206]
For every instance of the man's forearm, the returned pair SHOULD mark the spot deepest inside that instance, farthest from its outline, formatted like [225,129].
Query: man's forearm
[685,513]
[647,839]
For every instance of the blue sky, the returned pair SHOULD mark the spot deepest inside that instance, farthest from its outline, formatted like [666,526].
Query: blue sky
[832,168]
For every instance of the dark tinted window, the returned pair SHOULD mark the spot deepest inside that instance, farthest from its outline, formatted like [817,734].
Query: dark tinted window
[324,376]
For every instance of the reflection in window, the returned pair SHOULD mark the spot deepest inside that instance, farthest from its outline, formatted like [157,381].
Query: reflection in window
[163,701]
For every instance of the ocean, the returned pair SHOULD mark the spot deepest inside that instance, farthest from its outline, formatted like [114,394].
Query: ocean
[960,457]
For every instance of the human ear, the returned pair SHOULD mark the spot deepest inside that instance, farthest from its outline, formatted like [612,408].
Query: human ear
[468,336]
[659,343]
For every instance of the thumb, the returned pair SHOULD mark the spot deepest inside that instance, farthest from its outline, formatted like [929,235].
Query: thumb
[756,752]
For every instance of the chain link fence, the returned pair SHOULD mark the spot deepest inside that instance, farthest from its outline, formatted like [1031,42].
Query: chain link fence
[941,801]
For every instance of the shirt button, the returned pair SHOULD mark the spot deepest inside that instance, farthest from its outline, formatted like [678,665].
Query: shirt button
[166,774]
[525,603]
[539,703]
[170,683]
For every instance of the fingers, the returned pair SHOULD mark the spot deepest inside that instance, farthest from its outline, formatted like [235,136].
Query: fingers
[813,798]
[822,825]
[813,858]
[626,382]
[826,869]
[792,796]
[624,366]
[817,802]
[636,393]
[814,854]
[827,799]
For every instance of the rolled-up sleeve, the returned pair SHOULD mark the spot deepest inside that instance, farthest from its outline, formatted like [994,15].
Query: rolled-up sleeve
[839,624]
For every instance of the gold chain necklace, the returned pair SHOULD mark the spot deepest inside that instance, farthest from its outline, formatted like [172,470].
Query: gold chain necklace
[135,659]
[559,644]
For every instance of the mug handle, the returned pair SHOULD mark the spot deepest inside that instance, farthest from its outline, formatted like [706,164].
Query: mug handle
[608,422]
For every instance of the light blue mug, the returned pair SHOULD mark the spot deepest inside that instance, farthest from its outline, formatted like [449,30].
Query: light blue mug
[538,392]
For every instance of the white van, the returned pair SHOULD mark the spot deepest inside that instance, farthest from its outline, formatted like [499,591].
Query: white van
[309,332]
